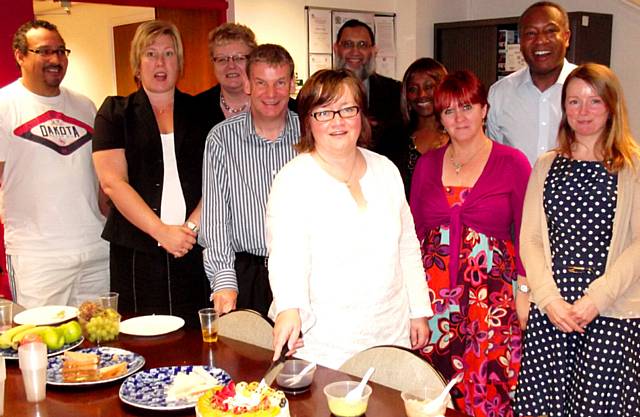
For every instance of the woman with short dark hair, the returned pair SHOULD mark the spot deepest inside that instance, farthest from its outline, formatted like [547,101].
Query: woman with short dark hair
[344,261]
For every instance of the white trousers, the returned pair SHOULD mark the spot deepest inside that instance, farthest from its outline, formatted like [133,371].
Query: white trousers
[61,280]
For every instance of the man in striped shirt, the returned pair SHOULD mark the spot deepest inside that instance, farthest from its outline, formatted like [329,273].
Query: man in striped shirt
[242,156]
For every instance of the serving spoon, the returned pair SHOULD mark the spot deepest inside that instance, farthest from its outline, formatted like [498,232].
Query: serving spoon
[356,393]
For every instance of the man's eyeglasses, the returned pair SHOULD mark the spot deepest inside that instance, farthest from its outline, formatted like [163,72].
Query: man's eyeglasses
[346,113]
[48,52]
[224,59]
[353,45]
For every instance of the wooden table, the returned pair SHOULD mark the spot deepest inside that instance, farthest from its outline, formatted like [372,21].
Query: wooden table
[185,347]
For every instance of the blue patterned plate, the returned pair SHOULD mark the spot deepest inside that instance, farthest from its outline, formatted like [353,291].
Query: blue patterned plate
[146,389]
[108,356]
[13,354]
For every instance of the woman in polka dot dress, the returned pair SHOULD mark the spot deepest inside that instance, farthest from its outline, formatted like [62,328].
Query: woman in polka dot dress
[580,245]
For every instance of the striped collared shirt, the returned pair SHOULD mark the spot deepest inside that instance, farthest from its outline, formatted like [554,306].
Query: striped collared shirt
[238,169]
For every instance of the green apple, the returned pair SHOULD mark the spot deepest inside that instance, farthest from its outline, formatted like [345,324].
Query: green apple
[52,338]
[71,331]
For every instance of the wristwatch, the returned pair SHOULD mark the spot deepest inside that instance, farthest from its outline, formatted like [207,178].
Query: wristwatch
[523,288]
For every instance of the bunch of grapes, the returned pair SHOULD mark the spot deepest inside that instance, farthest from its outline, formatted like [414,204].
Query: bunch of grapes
[100,324]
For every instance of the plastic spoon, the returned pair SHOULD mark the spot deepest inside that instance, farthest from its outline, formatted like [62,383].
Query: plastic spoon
[356,393]
[297,378]
[435,405]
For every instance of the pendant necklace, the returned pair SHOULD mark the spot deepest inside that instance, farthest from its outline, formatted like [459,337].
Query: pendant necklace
[457,166]
[346,181]
[232,110]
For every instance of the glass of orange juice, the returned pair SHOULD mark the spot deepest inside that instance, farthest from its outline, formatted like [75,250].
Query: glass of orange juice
[209,324]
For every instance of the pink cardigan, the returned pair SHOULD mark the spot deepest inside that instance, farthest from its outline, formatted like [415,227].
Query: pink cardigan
[492,207]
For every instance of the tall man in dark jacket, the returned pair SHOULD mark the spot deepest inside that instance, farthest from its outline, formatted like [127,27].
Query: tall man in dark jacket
[355,49]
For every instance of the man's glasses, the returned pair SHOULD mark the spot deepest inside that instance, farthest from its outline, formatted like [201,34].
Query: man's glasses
[224,59]
[346,113]
[353,45]
[48,52]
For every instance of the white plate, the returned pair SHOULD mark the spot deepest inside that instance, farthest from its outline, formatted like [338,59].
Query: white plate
[147,388]
[47,315]
[108,356]
[154,325]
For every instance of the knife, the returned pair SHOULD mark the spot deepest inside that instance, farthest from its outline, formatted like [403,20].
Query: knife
[276,366]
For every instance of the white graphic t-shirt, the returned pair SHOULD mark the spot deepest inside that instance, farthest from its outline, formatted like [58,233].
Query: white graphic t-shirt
[49,186]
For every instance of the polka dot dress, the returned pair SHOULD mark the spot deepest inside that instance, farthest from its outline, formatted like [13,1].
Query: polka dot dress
[570,374]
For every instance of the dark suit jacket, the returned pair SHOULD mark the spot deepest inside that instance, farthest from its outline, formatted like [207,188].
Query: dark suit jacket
[128,123]
[384,110]
[208,103]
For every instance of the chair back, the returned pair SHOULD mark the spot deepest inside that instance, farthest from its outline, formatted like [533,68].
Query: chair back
[397,368]
[247,326]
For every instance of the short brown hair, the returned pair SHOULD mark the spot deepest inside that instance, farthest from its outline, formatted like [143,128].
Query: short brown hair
[231,32]
[145,34]
[617,145]
[323,87]
[271,54]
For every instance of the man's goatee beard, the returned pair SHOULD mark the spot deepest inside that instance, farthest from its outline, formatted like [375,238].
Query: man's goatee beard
[363,72]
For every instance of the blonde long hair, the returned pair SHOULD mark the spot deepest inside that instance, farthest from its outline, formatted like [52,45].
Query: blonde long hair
[617,145]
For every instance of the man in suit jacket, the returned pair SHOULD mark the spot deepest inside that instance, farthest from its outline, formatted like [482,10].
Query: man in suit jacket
[355,49]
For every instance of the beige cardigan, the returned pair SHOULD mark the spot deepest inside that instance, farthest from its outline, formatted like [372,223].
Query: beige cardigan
[617,292]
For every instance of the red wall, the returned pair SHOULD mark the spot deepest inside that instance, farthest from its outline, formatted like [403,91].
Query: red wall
[15,13]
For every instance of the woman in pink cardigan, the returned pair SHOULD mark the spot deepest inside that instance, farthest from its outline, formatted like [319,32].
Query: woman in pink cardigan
[466,199]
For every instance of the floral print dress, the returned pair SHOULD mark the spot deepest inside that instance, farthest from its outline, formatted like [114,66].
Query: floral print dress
[474,329]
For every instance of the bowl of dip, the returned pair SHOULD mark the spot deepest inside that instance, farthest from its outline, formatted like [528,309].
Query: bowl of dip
[339,405]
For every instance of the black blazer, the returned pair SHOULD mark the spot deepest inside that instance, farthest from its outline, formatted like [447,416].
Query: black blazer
[128,123]
[384,109]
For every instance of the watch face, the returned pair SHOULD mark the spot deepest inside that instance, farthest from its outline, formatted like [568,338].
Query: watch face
[523,288]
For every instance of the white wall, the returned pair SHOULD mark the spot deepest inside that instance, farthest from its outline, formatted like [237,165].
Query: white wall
[625,59]
[283,22]
[88,33]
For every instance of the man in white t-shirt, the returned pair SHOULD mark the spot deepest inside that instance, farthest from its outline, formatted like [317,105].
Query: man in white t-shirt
[50,210]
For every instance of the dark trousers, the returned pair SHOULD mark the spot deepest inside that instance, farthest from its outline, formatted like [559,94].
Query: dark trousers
[158,283]
[252,274]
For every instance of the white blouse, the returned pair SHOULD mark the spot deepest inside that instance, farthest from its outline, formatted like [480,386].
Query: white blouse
[355,275]
[173,209]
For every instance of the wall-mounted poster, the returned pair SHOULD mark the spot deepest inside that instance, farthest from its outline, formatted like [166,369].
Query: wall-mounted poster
[320,39]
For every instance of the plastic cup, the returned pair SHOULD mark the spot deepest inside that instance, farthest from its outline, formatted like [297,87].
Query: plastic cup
[6,314]
[209,325]
[33,364]
[3,376]
[110,300]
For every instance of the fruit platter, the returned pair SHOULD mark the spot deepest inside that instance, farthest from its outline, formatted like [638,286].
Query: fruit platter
[57,338]
[98,324]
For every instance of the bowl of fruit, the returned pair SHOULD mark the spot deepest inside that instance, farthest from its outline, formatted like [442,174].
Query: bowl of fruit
[98,324]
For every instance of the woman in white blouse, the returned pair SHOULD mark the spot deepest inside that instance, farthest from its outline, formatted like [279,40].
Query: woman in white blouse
[344,260]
